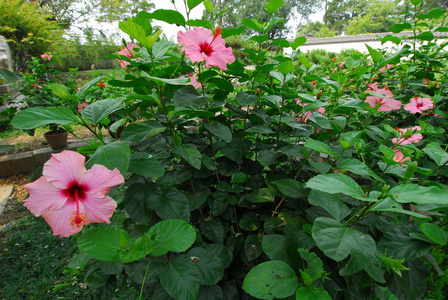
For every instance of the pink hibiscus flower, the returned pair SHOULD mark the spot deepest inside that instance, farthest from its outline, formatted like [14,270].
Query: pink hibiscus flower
[307,114]
[201,44]
[405,139]
[82,106]
[399,157]
[382,99]
[126,51]
[46,56]
[388,66]
[418,105]
[68,196]
[194,82]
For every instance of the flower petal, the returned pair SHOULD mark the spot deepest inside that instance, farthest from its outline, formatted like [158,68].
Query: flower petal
[44,197]
[64,168]
[98,208]
[60,220]
[101,179]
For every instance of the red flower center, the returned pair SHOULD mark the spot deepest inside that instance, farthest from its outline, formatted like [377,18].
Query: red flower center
[206,48]
[76,191]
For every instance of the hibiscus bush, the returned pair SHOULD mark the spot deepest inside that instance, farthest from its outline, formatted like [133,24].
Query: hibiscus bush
[285,180]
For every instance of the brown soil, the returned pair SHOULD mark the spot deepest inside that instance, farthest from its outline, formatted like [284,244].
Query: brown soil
[14,209]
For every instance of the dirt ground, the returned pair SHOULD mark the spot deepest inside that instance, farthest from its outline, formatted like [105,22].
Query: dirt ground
[14,209]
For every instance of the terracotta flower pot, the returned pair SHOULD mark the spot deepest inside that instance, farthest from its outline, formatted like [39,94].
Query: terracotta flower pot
[56,140]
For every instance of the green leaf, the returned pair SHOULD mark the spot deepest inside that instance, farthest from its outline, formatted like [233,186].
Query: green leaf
[10,76]
[147,167]
[104,243]
[273,5]
[189,97]
[271,279]
[253,24]
[276,247]
[172,81]
[213,230]
[60,90]
[134,30]
[330,203]
[435,233]
[262,195]
[88,85]
[358,167]
[436,153]
[375,54]
[245,99]
[200,23]
[140,199]
[40,116]
[252,247]
[210,267]
[174,205]
[416,2]
[338,242]
[290,187]
[319,147]
[99,110]
[208,6]
[249,222]
[180,278]
[193,3]
[299,41]
[211,292]
[336,183]
[220,131]
[390,205]
[169,16]
[312,293]
[138,249]
[315,269]
[426,36]
[413,193]
[396,28]
[139,131]
[190,153]
[171,235]
[113,155]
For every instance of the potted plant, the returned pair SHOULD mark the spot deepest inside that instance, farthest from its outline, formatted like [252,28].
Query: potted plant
[56,137]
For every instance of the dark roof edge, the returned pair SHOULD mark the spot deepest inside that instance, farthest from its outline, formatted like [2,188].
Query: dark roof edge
[371,37]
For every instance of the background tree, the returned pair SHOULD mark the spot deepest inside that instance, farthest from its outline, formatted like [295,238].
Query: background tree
[378,16]
[340,12]
[68,12]
[317,29]
[296,11]
[27,29]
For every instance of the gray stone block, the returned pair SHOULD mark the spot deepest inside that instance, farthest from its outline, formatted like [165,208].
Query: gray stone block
[14,164]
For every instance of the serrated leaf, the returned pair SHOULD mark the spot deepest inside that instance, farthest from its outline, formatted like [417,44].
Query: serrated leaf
[174,205]
[338,242]
[190,153]
[330,203]
[220,131]
[99,110]
[435,233]
[436,153]
[113,155]
[336,183]
[290,187]
[147,167]
[40,116]
[139,131]
[413,193]
[180,278]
